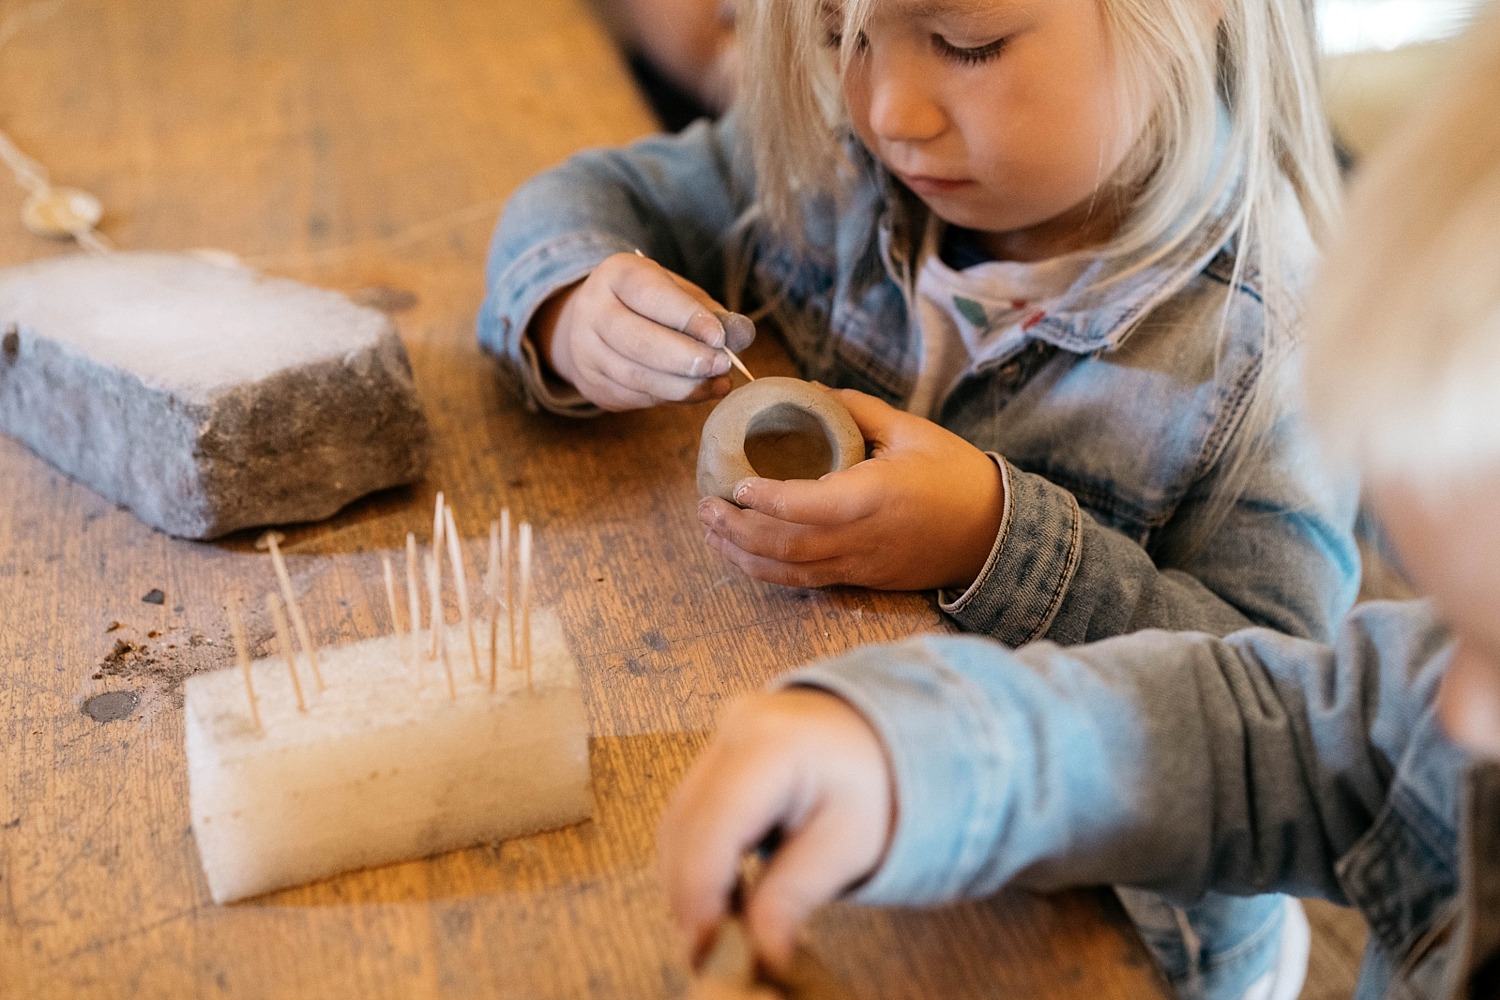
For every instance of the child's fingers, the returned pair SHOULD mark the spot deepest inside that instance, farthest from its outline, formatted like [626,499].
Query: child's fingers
[875,417]
[822,573]
[714,388]
[645,287]
[617,399]
[724,807]
[739,331]
[636,377]
[837,498]
[762,535]
[649,343]
[697,878]
[810,868]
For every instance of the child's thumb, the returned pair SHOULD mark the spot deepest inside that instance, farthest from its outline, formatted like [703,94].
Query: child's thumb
[874,417]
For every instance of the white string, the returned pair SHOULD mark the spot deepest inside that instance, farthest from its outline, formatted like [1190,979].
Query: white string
[29,174]
[32,177]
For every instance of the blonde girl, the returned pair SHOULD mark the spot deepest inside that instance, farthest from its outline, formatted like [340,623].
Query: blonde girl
[1376,774]
[1048,251]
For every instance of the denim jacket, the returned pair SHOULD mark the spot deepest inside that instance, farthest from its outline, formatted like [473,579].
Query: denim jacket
[1298,767]
[1109,423]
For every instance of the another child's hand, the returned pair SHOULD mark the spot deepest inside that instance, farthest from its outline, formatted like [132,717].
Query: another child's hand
[922,512]
[801,762]
[633,334]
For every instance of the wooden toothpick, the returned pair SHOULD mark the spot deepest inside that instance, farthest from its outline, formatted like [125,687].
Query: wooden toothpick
[284,640]
[414,603]
[242,653]
[525,547]
[448,669]
[507,559]
[733,358]
[492,591]
[298,622]
[461,585]
[390,594]
[437,558]
[437,621]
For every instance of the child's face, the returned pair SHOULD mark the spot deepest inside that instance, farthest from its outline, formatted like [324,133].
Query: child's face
[1451,548]
[1004,116]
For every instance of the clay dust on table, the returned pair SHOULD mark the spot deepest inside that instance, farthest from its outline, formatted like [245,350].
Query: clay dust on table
[158,662]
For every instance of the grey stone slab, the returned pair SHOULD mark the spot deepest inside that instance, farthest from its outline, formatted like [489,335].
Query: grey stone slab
[205,397]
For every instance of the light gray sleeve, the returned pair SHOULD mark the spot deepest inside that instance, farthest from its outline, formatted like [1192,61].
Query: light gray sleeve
[1173,762]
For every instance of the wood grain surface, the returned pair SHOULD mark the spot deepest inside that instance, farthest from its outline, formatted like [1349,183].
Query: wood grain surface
[368,146]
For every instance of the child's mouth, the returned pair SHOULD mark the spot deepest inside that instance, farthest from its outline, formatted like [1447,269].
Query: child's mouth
[925,185]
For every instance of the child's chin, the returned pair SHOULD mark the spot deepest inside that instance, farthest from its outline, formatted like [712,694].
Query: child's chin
[1469,703]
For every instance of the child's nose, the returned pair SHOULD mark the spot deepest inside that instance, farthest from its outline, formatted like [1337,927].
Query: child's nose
[902,107]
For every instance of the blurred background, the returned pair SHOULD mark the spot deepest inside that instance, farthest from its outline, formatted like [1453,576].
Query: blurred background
[1379,56]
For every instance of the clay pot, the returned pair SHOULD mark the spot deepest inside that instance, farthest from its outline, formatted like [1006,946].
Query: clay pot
[776,428]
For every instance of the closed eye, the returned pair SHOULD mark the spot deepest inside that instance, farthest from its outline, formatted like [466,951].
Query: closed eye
[968,55]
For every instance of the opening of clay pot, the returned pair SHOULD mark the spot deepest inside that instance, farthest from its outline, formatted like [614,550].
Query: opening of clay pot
[787,442]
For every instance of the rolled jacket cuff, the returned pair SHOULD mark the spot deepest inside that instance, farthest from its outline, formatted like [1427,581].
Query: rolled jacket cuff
[1018,593]
[949,765]
[948,603]
[518,292]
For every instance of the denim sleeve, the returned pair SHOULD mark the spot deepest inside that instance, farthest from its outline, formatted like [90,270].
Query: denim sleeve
[1173,762]
[1283,556]
[674,198]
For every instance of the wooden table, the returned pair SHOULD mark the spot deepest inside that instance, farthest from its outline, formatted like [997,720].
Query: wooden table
[367,145]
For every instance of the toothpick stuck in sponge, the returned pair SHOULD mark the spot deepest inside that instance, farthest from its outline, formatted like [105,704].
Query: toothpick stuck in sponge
[392,761]
[378,770]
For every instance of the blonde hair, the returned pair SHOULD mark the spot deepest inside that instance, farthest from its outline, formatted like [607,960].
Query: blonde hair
[1182,57]
[1184,60]
[1404,355]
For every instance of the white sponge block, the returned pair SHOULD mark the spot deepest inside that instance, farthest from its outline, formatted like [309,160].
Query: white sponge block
[385,764]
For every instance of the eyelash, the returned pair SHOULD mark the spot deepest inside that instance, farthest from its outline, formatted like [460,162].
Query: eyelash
[968,57]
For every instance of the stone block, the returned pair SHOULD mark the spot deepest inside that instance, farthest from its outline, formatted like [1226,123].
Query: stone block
[205,397]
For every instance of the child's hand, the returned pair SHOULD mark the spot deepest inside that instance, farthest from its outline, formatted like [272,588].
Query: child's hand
[922,512]
[633,334]
[801,762]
